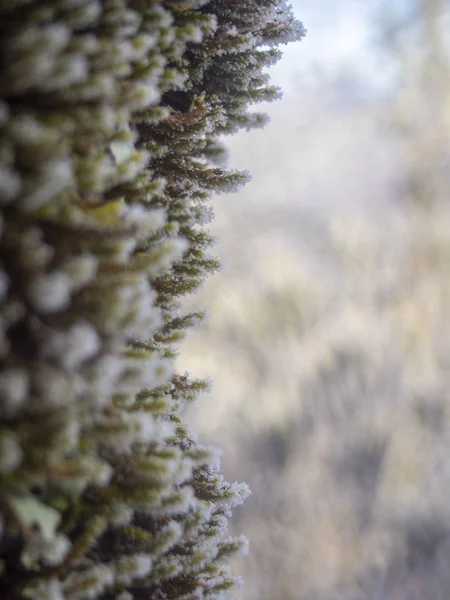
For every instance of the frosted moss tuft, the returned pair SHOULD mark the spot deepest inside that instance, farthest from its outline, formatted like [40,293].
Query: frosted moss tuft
[110,114]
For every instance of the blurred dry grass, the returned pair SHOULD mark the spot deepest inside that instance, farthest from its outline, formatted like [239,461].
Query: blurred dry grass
[331,402]
[329,346]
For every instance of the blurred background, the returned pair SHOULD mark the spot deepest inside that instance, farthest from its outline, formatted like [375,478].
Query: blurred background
[329,337]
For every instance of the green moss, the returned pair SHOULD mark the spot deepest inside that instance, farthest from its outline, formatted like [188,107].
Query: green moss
[104,178]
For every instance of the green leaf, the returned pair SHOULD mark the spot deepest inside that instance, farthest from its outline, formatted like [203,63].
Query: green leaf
[33,512]
[108,213]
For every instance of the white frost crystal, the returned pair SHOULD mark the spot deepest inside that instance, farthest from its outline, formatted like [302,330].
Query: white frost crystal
[81,269]
[10,184]
[11,454]
[50,293]
[49,590]
[50,551]
[147,221]
[73,347]
[53,389]
[14,385]
[128,568]
[90,582]
[49,181]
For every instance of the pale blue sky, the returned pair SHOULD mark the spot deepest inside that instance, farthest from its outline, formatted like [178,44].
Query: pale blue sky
[340,36]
